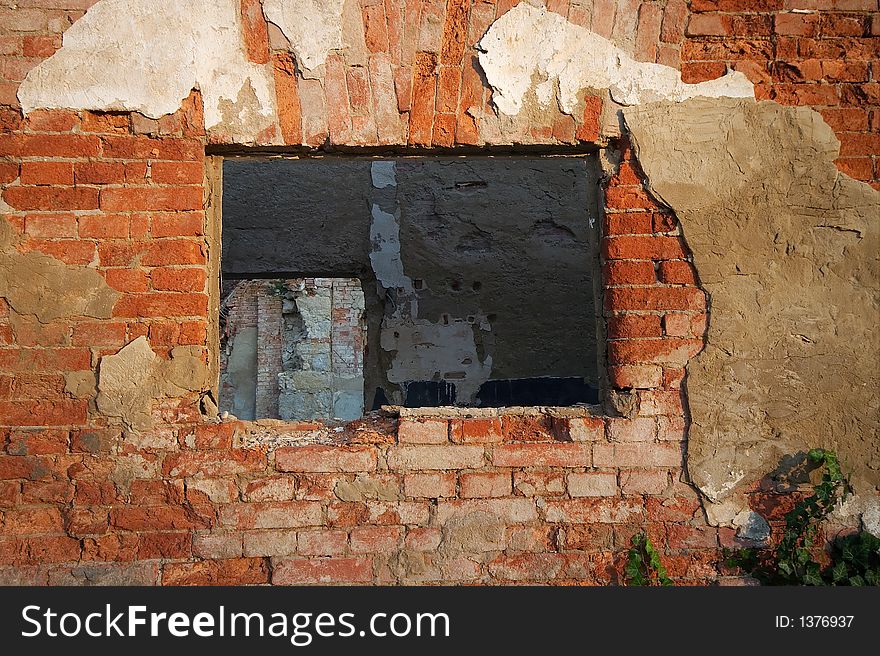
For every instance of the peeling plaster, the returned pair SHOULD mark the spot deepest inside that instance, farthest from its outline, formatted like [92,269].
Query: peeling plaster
[790,262]
[313,27]
[148,55]
[529,41]
[36,284]
[130,380]
[422,350]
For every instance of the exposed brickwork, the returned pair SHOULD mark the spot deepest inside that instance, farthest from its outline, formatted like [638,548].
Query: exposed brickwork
[819,53]
[187,504]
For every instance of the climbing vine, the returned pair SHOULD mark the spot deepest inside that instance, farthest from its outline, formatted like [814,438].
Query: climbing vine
[855,559]
[643,566]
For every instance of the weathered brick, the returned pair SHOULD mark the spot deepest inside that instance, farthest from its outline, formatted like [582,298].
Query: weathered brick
[639,429]
[542,455]
[422,432]
[234,571]
[485,484]
[326,459]
[218,545]
[429,486]
[325,570]
[322,542]
[592,484]
[375,539]
[637,454]
[277,514]
[611,510]
[435,457]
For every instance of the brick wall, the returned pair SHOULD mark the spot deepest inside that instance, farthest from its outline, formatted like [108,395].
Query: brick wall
[533,497]
[821,53]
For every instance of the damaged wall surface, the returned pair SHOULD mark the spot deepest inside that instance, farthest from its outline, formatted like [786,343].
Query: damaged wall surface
[110,267]
[460,255]
[790,261]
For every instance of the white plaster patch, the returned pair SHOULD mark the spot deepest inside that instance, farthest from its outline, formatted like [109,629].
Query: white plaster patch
[383,174]
[529,41]
[431,351]
[385,254]
[148,55]
[313,27]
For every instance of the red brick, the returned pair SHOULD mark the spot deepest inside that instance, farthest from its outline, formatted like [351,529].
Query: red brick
[634,325]
[68,251]
[642,248]
[588,128]
[628,198]
[51,120]
[177,172]
[40,46]
[527,428]
[100,172]
[162,304]
[694,72]
[9,171]
[423,539]
[127,280]
[51,198]
[12,467]
[709,25]
[174,252]
[37,442]
[236,571]
[692,537]
[542,455]
[636,376]
[269,543]
[46,173]
[677,325]
[105,122]
[182,224]
[326,458]
[853,144]
[676,272]
[46,359]
[375,539]
[178,280]
[287,93]
[159,518]
[126,147]
[44,413]
[37,521]
[736,5]
[104,226]
[256,32]
[329,570]
[151,198]
[629,273]
[638,351]
[796,24]
[322,542]
[58,549]
[628,223]
[476,431]
[654,298]
[421,120]
[375,30]
[50,226]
